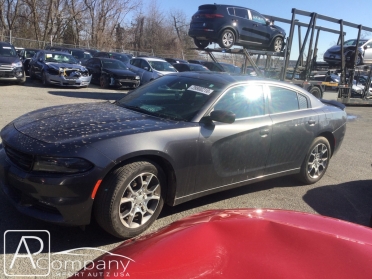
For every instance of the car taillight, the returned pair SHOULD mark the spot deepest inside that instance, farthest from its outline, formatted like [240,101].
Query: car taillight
[207,16]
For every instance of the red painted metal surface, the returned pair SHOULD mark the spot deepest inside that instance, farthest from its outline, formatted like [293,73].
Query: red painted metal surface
[245,243]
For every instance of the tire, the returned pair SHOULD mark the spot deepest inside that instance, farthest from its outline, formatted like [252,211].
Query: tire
[316,161]
[277,44]
[32,75]
[43,79]
[103,82]
[316,92]
[201,44]
[124,201]
[227,39]
[359,60]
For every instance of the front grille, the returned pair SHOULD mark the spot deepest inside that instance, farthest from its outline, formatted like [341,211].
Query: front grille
[20,159]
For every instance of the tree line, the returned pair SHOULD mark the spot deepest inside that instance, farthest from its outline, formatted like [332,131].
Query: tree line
[101,24]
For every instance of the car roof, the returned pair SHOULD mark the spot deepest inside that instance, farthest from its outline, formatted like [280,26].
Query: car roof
[56,52]
[6,44]
[151,59]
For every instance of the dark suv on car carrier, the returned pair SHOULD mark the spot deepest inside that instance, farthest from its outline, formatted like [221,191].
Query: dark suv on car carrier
[232,25]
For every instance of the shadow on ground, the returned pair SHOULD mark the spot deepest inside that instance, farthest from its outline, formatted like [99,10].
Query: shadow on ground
[350,201]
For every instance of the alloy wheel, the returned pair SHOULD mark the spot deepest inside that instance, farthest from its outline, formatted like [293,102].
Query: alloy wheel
[318,161]
[140,200]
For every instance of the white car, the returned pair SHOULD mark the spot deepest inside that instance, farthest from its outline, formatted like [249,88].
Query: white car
[149,68]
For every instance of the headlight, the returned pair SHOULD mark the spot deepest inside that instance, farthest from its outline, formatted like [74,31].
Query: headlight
[137,77]
[17,64]
[61,165]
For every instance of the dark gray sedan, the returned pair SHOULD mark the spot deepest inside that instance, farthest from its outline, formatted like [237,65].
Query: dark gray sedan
[180,137]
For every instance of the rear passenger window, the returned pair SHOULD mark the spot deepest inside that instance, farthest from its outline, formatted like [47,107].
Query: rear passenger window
[231,11]
[282,100]
[241,13]
[302,102]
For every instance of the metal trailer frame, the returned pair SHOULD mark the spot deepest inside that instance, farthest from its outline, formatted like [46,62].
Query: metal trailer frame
[345,87]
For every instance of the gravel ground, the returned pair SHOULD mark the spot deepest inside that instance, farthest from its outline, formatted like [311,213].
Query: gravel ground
[345,191]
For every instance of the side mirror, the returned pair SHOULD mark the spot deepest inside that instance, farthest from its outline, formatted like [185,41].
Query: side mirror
[146,68]
[40,59]
[223,116]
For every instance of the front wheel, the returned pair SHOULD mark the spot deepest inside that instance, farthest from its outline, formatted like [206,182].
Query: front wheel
[103,82]
[316,161]
[130,199]
[227,39]
[277,44]
[201,44]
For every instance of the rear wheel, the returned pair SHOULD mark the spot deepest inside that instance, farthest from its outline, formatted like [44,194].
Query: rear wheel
[227,39]
[316,161]
[316,92]
[130,199]
[277,44]
[201,43]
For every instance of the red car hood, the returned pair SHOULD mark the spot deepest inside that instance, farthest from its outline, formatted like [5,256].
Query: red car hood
[245,243]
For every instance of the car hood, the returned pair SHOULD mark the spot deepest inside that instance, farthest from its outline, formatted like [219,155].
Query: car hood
[245,243]
[8,60]
[281,30]
[85,123]
[119,72]
[65,65]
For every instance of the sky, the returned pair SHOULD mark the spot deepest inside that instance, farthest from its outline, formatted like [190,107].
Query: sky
[356,11]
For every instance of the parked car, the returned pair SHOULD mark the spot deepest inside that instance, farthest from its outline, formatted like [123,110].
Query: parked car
[331,81]
[212,66]
[25,55]
[114,55]
[230,25]
[230,68]
[11,67]
[333,55]
[91,51]
[111,73]
[178,138]
[149,68]
[80,55]
[58,68]
[243,243]
[183,67]
[173,60]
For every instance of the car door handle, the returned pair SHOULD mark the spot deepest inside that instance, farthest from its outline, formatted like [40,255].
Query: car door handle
[255,25]
[264,132]
[311,122]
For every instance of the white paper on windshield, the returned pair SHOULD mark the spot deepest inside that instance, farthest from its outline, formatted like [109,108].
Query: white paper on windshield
[200,89]
[48,55]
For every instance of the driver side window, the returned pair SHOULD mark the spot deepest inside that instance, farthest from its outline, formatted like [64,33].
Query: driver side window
[244,101]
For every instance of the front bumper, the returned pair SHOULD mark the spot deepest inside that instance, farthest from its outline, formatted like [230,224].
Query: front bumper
[118,82]
[61,80]
[12,74]
[62,199]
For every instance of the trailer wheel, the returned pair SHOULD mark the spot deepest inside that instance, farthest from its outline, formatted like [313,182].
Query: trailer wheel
[200,43]
[316,92]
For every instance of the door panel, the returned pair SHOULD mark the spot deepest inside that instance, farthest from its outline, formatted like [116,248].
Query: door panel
[293,130]
[232,153]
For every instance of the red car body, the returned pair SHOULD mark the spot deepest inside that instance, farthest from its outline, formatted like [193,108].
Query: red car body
[245,243]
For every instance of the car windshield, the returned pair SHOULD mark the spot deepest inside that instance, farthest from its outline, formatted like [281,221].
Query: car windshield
[162,66]
[122,58]
[60,58]
[30,53]
[80,54]
[353,42]
[171,97]
[8,51]
[197,67]
[114,64]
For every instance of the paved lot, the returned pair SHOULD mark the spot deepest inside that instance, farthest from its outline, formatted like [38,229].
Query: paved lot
[345,191]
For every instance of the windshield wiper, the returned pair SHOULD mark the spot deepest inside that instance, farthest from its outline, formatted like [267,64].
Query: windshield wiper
[153,113]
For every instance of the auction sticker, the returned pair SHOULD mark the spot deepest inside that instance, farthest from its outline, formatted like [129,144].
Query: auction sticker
[200,89]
